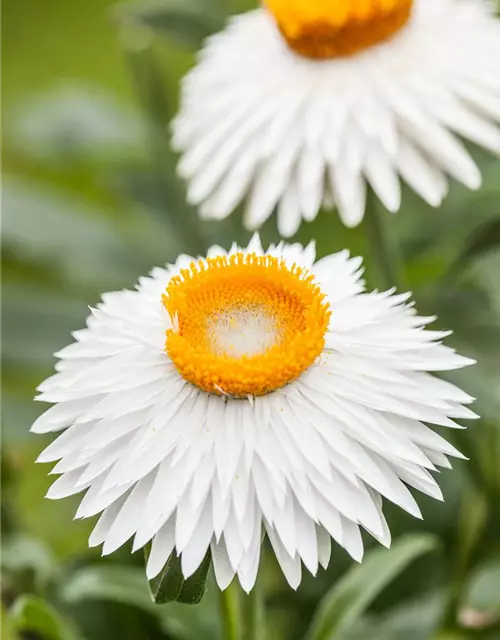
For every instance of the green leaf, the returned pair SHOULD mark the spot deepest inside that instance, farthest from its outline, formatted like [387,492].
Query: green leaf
[8,631]
[170,585]
[484,239]
[194,587]
[483,592]
[415,620]
[30,613]
[128,586]
[73,122]
[167,587]
[69,229]
[355,591]
[23,553]
[186,21]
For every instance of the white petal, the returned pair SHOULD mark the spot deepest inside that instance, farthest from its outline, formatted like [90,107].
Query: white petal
[290,566]
[351,539]
[324,546]
[66,485]
[224,572]
[307,545]
[105,522]
[194,552]
[128,519]
[161,549]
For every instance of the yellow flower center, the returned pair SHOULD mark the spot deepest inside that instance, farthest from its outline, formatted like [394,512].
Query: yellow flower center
[331,28]
[244,325]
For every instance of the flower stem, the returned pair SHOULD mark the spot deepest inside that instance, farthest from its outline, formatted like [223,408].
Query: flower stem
[166,197]
[471,528]
[230,613]
[384,249]
[253,615]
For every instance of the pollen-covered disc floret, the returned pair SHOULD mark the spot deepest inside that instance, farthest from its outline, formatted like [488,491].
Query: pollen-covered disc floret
[244,324]
[333,28]
[284,402]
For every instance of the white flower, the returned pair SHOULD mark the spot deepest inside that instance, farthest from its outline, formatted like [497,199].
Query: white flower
[249,394]
[289,120]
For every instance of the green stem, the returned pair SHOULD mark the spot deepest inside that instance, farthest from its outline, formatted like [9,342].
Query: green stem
[149,86]
[230,612]
[253,615]
[470,534]
[384,249]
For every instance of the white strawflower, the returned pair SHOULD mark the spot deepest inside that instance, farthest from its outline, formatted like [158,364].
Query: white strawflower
[246,394]
[300,104]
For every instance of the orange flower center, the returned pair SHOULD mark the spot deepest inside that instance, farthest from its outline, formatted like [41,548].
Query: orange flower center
[331,28]
[244,325]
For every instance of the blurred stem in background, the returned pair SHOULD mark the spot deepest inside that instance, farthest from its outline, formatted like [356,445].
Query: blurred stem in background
[7,513]
[242,614]
[384,248]
[253,626]
[470,530]
[149,86]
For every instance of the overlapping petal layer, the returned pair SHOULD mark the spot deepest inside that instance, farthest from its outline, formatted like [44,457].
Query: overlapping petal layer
[162,460]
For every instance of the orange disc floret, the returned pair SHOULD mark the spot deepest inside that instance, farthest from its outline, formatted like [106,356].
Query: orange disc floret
[220,294]
[324,29]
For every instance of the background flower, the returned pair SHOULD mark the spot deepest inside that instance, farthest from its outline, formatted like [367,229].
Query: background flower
[306,120]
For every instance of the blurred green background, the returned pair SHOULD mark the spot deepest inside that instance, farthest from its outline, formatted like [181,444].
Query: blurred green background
[91,202]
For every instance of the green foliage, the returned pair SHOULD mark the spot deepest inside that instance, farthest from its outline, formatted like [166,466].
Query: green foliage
[92,202]
[170,585]
[483,593]
[7,626]
[128,586]
[484,239]
[29,557]
[417,620]
[187,21]
[349,597]
[32,614]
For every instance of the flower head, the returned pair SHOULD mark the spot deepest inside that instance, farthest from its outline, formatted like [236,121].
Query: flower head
[324,29]
[301,103]
[245,394]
